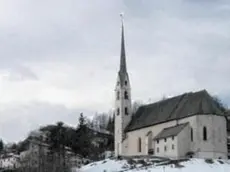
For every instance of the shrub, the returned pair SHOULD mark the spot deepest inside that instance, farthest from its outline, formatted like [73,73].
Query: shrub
[104,162]
[209,161]
[221,162]
[190,154]
[141,161]
[125,166]
[131,161]
[119,158]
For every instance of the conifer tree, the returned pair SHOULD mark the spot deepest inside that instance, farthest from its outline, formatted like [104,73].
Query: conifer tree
[83,138]
[1,146]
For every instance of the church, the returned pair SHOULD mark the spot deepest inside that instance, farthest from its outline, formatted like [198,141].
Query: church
[188,125]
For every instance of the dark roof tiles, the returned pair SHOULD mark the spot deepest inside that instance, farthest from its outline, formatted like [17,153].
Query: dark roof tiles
[174,108]
[171,131]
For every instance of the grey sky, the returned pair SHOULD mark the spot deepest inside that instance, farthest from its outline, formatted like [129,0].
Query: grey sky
[59,58]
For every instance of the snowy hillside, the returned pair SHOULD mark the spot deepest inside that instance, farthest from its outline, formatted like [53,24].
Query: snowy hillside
[157,165]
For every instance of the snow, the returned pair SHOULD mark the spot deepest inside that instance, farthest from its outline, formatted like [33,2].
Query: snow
[100,166]
[193,165]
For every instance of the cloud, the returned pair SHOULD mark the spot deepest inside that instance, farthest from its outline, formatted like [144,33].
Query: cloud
[18,73]
[27,117]
[66,53]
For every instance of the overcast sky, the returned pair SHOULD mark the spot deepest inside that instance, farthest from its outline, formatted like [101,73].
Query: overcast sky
[59,58]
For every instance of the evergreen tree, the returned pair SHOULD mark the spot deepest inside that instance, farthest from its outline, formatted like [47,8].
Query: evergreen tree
[1,146]
[110,125]
[83,138]
[57,144]
[82,121]
[110,128]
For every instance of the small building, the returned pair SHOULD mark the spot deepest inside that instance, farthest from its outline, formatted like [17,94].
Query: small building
[9,161]
[170,141]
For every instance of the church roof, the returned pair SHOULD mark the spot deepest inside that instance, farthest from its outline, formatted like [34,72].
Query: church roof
[185,105]
[171,131]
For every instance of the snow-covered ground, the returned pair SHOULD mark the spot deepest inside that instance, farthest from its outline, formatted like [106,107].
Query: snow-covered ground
[192,165]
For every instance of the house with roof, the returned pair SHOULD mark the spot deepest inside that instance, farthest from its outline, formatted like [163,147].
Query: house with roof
[191,124]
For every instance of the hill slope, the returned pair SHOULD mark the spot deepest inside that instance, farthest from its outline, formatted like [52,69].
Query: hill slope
[156,165]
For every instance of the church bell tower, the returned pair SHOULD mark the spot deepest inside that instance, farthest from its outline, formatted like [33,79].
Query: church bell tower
[123,113]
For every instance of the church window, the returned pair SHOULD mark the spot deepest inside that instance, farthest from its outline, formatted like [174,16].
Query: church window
[118,95]
[126,82]
[126,95]
[126,111]
[191,135]
[165,148]
[139,144]
[172,137]
[204,133]
[172,147]
[157,141]
[158,150]
[165,139]
[118,111]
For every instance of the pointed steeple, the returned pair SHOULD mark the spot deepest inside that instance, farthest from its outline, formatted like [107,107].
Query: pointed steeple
[122,57]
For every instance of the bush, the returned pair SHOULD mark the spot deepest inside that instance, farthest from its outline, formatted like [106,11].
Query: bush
[221,162]
[209,161]
[131,161]
[104,161]
[190,154]
[142,162]
[125,166]
[119,158]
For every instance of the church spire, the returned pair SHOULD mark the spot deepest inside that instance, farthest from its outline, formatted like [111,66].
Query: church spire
[123,57]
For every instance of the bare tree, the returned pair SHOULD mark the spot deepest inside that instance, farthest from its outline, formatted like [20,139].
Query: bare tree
[135,106]
[100,121]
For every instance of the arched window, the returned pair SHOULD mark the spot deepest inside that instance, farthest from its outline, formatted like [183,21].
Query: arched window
[118,111]
[118,95]
[139,144]
[191,135]
[126,82]
[126,95]
[126,111]
[204,133]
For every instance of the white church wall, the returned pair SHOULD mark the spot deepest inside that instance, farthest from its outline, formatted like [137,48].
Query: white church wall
[156,129]
[216,144]
[141,133]
[215,124]
[192,125]
[183,140]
